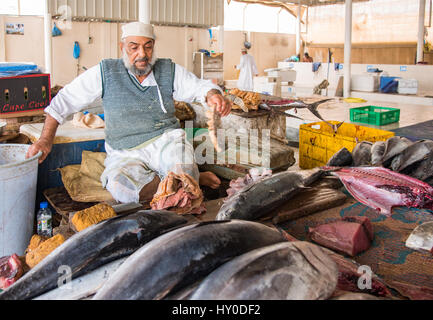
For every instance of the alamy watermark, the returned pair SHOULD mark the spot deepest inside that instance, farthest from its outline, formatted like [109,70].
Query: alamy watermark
[252,146]
[364,281]
[65,278]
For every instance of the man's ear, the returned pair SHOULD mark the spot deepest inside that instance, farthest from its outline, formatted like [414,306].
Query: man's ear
[121,46]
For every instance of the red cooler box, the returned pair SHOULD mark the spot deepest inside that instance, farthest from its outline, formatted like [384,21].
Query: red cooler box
[25,95]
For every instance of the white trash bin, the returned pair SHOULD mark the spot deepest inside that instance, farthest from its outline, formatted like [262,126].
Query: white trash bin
[18,177]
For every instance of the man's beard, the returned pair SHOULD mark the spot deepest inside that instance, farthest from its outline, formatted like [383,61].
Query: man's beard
[133,69]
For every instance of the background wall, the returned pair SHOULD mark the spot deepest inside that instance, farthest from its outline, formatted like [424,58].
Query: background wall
[267,49]
[397,53]
[177,43]
[384,31]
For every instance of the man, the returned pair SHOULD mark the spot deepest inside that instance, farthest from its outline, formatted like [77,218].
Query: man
[248,69]
[307,58]
[143,138]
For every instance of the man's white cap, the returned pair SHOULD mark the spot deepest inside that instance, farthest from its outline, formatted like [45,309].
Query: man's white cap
[137,29]
[244,50]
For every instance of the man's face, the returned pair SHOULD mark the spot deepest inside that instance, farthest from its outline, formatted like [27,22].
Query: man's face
[138,53]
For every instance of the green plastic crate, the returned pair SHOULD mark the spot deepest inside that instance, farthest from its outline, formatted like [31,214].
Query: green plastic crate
[374,115]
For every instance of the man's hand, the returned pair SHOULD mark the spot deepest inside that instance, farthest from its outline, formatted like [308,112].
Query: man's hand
[45,142]
[222,106]
[42,145]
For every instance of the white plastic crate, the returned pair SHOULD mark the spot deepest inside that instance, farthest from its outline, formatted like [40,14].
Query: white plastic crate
[365,82]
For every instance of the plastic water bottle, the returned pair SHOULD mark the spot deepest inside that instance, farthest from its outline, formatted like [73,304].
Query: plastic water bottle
[44,218]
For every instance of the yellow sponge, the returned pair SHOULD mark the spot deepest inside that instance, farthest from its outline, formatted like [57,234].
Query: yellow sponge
[90,216]
[35,242]
[44,249]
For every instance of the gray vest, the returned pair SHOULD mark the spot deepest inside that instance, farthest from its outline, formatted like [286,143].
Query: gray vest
[133,113]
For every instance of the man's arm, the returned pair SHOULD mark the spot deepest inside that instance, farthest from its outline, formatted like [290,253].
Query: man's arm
[45,142]
[75,96]
[241,64]
[189,88]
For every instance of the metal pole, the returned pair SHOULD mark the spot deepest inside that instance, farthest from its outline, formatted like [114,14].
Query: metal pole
[420,46]
[144,11]
[298,29]
[48,45]
[347,48]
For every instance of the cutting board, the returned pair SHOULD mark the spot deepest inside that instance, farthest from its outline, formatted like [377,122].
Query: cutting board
[307,202]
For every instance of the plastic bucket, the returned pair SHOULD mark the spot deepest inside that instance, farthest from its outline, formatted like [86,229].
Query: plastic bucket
[18,177]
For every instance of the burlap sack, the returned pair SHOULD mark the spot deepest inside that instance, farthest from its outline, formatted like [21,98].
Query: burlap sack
[82,182]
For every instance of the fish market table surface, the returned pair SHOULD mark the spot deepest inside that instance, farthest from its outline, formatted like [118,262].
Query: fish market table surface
[66,133]
[388,257]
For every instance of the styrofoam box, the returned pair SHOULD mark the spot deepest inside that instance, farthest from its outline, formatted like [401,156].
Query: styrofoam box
[288,89]
[407,86]
[365,82]
[230,84]
[292,125]
[261,80]
[268,88]
[285,75]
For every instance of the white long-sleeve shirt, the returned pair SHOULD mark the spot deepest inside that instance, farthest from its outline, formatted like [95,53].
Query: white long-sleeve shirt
[87,87]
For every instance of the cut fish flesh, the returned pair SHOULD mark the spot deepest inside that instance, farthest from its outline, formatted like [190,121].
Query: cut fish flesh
[381,188]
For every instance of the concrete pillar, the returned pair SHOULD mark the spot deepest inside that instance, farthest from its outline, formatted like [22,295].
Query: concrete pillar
[221,38]
[144,11]
[298,29]
[48,45]
[420,46]
[347,48]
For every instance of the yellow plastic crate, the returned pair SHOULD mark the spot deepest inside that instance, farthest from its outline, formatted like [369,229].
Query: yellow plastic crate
[318,142]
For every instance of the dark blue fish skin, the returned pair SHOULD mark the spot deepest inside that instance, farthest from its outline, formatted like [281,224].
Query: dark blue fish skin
[283,271]
[342,158]
[377,153]
[362,154]
[393,147]
[94,246]
[255,200]
[179,258]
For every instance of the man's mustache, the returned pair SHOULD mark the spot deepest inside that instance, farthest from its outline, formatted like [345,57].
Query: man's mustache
[145,59]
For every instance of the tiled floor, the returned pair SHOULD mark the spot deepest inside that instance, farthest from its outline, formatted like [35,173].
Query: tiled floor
[339,110]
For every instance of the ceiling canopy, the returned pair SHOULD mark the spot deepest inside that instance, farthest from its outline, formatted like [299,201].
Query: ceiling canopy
[291,5]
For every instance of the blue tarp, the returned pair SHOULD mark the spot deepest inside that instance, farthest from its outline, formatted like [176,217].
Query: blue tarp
[10,69]
[388,84]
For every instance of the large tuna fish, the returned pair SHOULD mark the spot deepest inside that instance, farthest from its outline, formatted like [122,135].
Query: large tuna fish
[183,256]
[257,199]
[362,154]
[393,147]
[377,153]
[342,158]
[95,246]
[414,153]
[422,170]
[283,271]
